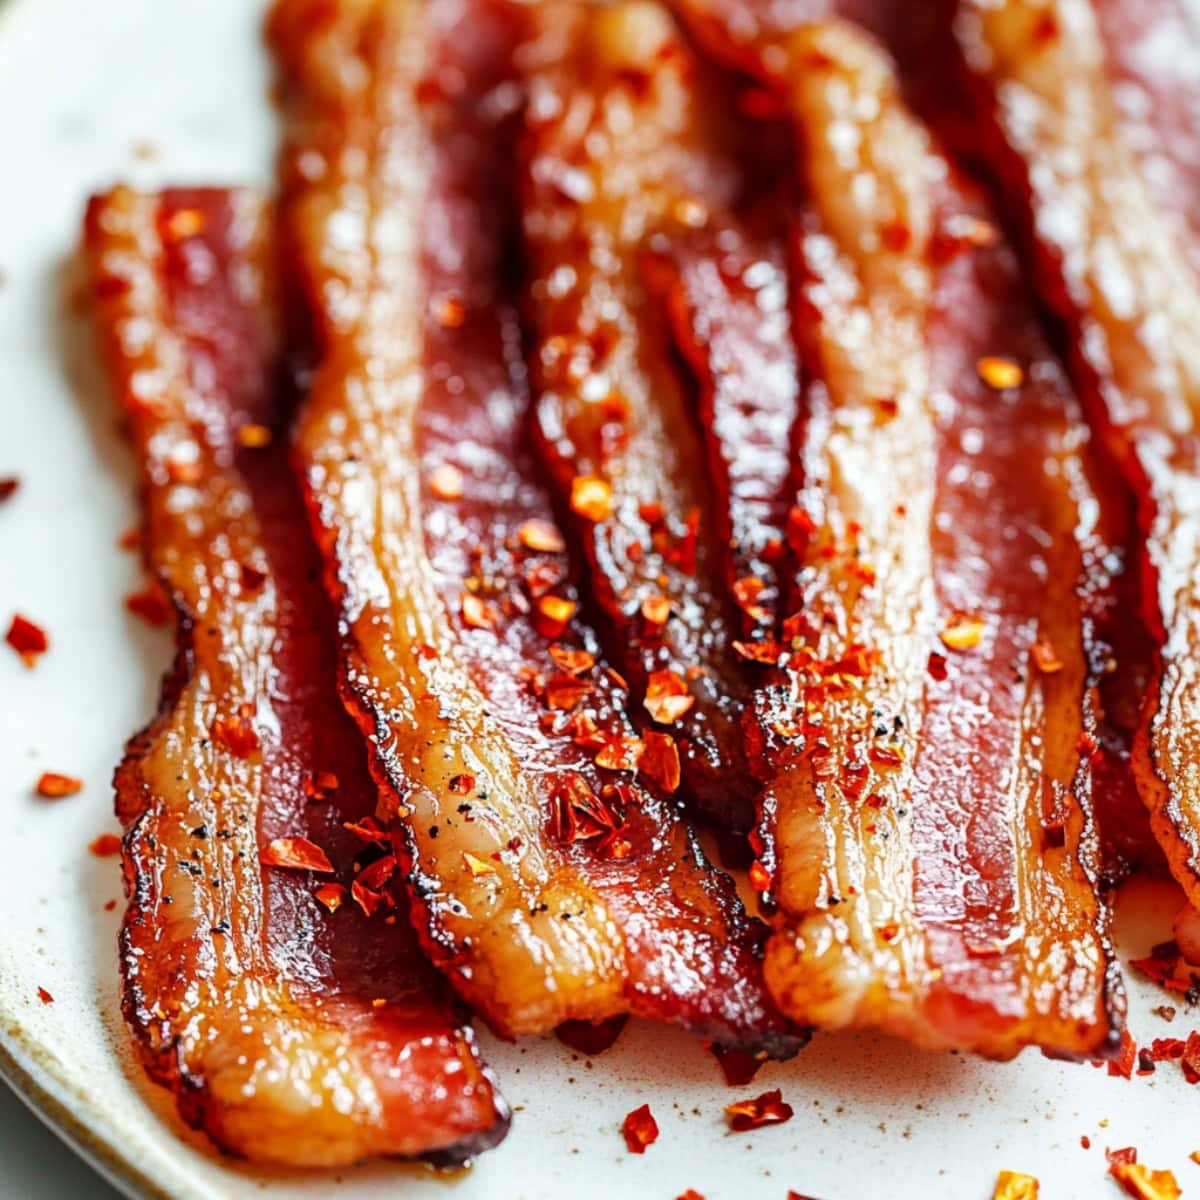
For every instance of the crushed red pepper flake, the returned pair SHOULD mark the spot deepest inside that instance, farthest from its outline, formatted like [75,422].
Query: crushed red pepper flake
[656,610]
[768,1109]
[760,878]
[331,895]
[368,899]
[1013,1185]
[150,603]
[295,854]
[1085,1142]
[571,660]
[367,830]
[591,498]
[53,786]
[1045,657]
[639,1129]
[446,482]
[1126,1059]
[8,487]
[477,613]
[44,996]
[378,874]
[105,846]
[962,631]
[667,696]
[1127,1154]
[690,1194]
[553,613]
[766,652]
[1143,1183]
[652,512]
[462,785]
[577,814]
[477,866]
[746,592]
[1000,373]
[563,692]
[541,536]
[620,754]
[659,763]
[236,733]
[27,639]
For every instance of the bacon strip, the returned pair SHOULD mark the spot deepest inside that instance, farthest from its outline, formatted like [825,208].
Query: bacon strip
[928,832]
[551,883]
[289,1034]
[624,142]
[1093,137]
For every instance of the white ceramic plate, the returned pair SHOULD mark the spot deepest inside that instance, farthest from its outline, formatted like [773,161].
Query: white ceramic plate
[86,90]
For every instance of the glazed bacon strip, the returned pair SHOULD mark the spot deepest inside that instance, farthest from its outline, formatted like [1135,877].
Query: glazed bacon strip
[1104,182]
[553,880]
[927,838]
[623,142]
[289,1033]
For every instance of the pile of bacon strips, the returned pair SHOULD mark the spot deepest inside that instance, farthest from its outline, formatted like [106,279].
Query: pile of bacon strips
[772,421]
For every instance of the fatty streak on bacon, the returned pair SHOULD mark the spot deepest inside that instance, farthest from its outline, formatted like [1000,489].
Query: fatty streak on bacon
[552,884]
[623,143]
[928,831]
[1110,198]
[289,1034]
[726,291]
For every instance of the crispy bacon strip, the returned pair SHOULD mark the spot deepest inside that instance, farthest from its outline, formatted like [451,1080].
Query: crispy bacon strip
[726,291]
[551,883]
[289,1034]
[1092,138]
[624,142]
[928,832]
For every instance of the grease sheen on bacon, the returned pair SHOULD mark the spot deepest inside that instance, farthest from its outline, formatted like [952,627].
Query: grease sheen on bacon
[928,828]
[553,879]
[1109,193]
[624,142]
[289,1034]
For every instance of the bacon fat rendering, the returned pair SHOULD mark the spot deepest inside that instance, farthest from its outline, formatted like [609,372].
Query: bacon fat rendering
[553,878]
[927,835]
[1089,114]
[290,1033]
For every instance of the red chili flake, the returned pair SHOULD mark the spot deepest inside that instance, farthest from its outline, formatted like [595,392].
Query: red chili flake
[543,577]
[799,529]
[110,906]
[27,639]
[295,854]
[963,632]
[553,613]
[667,696]
[1085,1142]
[684,554]
[105,846]
[746,592]
[999,373]
[760,877]
[640,1130]
[563,692]
[574,662]
[656,611]
[44,996]
[54,786]
[1163,1049]
[620,754]
[1126,1058]
[377,875]
[1118,1157]
[1145,1184]
[253,436]
[584,732]
[1165,1011]
[1086,744]
[690,1194]
[367,899]
[367,830]
[1013,1185]
[591,498]
[477,613]
[1045,658]
[541,536]
[1191,1058]
[652,512]
[660,761]
[738,1066]
[768,652]
[767,1109]
[477,866]
[331,895]
[151,604]
[8,487]
[591,1037]
[236,733]
[462,785]
[446,482]
[320,784]
[577,813]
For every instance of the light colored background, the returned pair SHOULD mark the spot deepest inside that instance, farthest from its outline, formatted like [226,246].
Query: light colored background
[81,86]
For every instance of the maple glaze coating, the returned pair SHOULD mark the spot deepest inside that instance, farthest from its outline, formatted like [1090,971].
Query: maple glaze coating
[928,831]
[1094,117]
[726,290]
[625,141]
[288,1033]
[551,882]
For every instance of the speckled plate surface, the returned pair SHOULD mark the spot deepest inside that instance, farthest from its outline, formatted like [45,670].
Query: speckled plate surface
[158,91]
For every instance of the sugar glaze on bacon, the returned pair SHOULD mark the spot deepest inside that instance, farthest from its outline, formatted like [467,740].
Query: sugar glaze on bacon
[289,1034]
